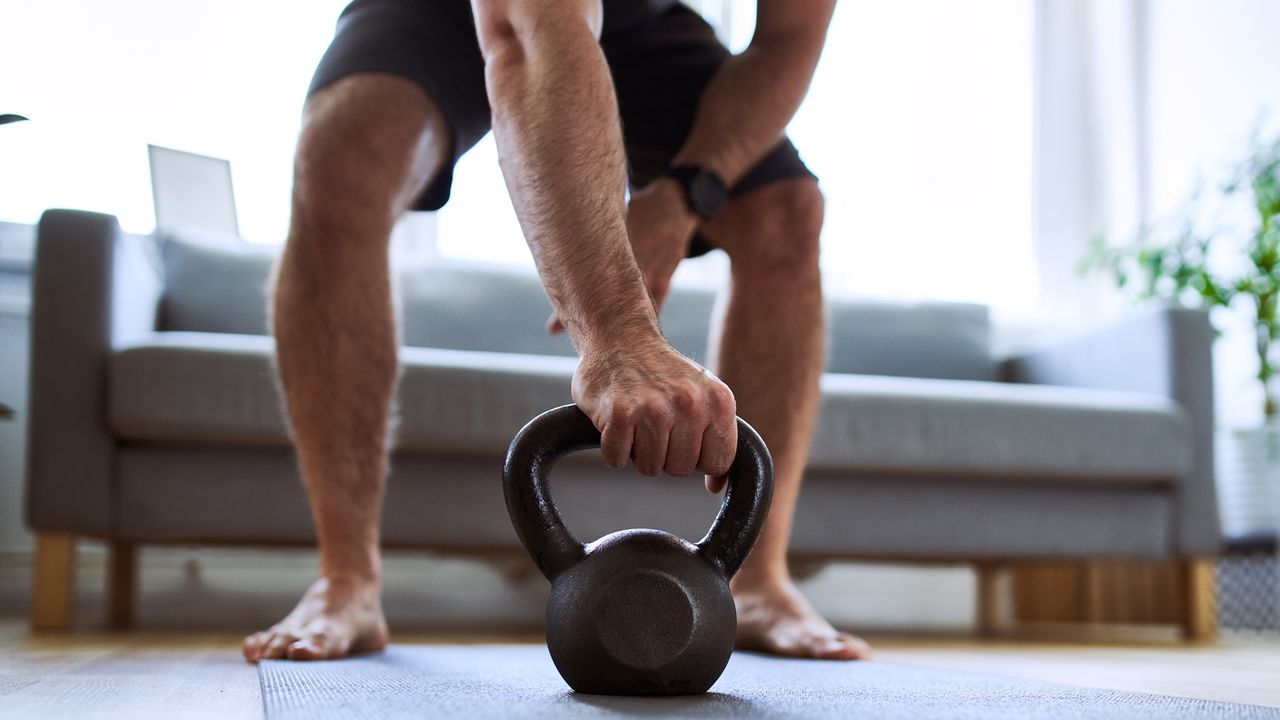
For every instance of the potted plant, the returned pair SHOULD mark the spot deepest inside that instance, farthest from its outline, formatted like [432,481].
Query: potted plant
[1221,251]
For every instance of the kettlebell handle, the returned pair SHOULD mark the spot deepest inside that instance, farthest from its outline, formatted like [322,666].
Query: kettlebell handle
[555,433]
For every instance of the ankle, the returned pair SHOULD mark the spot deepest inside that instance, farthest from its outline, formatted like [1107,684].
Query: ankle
[352,573]
[761,577]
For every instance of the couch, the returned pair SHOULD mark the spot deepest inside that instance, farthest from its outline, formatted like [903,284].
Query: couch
[154,419]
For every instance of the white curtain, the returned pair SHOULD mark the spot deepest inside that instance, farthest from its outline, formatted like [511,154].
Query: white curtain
[1089,143]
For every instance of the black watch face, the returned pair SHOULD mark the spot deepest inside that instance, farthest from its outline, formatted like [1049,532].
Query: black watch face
[707,193]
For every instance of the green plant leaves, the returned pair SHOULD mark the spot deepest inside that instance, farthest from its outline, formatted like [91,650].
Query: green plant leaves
[1170,261]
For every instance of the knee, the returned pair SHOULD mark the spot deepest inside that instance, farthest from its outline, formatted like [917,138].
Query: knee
[364,146]
[782,234]
[335,185]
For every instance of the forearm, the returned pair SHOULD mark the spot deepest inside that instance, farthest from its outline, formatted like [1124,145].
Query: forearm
[745,108]
[555,120]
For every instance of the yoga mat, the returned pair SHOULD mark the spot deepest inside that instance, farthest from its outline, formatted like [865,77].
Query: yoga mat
[519,681]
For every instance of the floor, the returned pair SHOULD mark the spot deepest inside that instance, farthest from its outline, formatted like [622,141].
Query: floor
[167,670]
[181,676]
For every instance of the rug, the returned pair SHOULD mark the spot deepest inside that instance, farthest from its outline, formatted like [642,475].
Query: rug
[519,681]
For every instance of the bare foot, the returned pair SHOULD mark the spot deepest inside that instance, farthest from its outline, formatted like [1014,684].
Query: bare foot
[332,620]
[774,617]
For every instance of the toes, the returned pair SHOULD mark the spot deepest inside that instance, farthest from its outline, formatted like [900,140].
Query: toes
[277,646]
[841,647]
[253,644]
[318,646]
[305,650]
[861,650]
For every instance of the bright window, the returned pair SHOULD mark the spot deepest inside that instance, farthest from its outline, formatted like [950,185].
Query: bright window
[918,122]
[101,80]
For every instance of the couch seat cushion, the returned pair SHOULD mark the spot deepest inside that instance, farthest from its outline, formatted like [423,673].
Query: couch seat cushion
[959,427]
[218,388]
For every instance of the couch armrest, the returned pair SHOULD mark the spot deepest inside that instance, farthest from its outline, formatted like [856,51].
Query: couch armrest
[1163,351]
[93,288]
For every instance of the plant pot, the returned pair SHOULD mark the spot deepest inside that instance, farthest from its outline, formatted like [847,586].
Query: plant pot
[1249,479]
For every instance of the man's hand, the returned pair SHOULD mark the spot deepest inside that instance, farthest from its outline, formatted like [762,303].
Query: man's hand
[655,406]
[660,226]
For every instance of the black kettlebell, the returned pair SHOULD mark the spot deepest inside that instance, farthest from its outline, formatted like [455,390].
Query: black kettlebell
[637,612]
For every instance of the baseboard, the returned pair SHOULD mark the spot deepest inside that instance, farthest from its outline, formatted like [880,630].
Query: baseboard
[224,588]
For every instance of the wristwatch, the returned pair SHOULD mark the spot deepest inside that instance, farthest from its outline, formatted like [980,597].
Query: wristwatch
[704,189]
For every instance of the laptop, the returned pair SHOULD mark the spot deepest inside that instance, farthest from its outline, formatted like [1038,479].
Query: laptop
[192,191]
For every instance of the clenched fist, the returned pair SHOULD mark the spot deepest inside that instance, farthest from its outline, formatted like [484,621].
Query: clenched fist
[658,408]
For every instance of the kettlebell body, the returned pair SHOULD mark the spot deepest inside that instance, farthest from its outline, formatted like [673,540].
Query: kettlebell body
[641,611]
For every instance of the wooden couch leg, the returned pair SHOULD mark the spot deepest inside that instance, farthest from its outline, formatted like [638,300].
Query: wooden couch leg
[1198,580]
[990,604]
[53,582]
[122,584]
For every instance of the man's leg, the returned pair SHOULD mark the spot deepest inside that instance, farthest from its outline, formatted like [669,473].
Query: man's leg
[369,144]
[768,346]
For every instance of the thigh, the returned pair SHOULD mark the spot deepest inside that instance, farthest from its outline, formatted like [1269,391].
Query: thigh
[429,43]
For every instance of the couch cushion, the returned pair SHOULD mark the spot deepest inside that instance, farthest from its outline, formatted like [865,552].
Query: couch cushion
[217,283]
[495,309]
[219,388]
[924,339]
[214,283]
[963,426]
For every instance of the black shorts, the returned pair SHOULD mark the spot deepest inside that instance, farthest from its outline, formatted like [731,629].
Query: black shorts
[661,55]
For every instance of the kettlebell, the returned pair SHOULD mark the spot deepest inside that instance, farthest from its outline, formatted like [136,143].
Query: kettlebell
[641,611]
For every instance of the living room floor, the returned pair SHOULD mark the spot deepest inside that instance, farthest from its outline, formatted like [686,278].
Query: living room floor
[174,675]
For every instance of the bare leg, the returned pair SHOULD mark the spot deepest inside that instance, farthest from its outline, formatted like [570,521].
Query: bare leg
[770,352]
[369,144]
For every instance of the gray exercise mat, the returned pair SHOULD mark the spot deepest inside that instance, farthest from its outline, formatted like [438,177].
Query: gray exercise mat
[519,681]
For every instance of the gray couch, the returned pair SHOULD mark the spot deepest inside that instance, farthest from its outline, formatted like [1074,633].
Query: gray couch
[154,419]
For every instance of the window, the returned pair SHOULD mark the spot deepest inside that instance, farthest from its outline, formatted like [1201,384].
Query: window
[101,80]
[919,123]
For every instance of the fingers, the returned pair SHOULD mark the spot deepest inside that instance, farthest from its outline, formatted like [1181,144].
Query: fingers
[617,435]
[653,436]
[676,433]
[720,440]
[658,409]
[554,326]
[686,438]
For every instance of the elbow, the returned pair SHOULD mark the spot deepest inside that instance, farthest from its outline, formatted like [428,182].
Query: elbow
[510,31]
[501,40]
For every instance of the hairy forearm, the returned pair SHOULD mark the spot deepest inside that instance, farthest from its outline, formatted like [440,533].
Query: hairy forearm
[555,119]
[745,108]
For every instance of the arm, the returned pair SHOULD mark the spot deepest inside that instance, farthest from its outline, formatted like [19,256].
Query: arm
[741,116]
[748,103]
[555,119]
